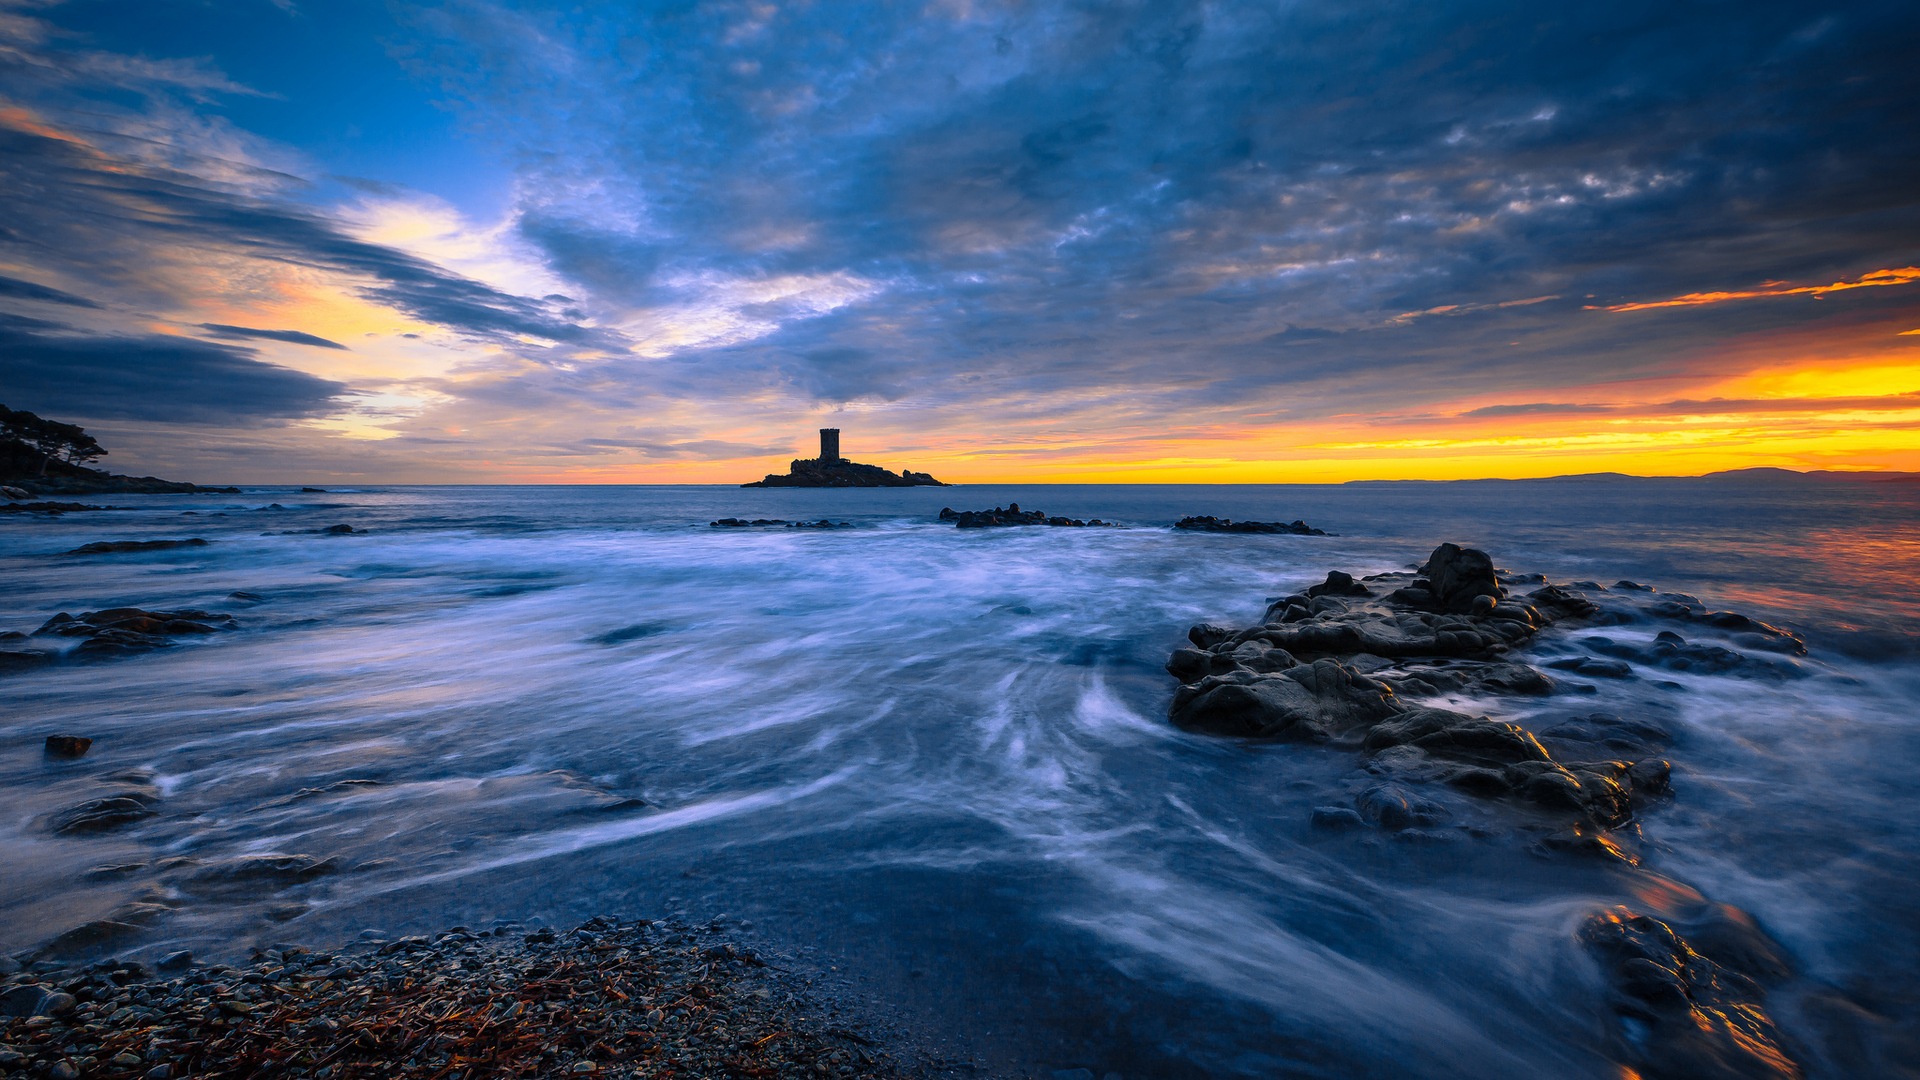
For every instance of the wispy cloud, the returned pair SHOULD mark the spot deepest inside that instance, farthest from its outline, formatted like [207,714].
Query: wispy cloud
[1905,275]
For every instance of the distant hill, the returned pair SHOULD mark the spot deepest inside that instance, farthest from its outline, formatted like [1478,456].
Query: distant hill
[1766,473]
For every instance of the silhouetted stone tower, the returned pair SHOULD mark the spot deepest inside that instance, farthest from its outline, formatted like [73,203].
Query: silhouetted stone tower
[829,444]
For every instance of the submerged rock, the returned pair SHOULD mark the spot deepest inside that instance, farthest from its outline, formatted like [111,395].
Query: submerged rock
[108,812]
[1227,525]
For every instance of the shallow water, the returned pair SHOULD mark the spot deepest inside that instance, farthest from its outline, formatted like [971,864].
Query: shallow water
[940,760]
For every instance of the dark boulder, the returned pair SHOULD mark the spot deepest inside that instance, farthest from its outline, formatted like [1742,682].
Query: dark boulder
[1458,577]
[68,746]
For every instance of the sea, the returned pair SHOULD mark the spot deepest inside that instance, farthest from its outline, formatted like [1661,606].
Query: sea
[931,770]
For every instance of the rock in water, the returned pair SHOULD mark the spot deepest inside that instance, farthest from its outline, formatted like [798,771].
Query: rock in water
[1011,515]
[1207,523]
[1696,1017]
[68,746]
[112,547]
[1338,662]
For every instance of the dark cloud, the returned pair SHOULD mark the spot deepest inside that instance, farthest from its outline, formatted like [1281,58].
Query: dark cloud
[155,378]
[15,289]
[97,211]
[295,337]
[1057,198]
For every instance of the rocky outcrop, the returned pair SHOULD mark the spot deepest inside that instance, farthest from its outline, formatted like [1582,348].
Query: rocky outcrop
[117,631]
[117,547]
[1347,662]
[783,523]
[1228,525]
[1683,1013]
[1011,515]
[815,473]
[1358,664]
[46,507]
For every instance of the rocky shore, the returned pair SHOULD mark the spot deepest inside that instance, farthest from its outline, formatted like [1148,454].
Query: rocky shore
[1360,664]
[615,998]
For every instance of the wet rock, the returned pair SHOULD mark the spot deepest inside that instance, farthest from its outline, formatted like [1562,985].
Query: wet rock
[46,507]
[68,746]
[1392,807]
[1228,525]
[341,529]
[1349,661]
[117,631]
[1310,702]
[14,660]
[1336,818]
[1011,516]
[1594,667]
[99,815]
[89,937]
[268,870]
[741,523]
[1704,1019]
[34,999]
[1458,577]
[14,493]
[114,547]
[1338,583]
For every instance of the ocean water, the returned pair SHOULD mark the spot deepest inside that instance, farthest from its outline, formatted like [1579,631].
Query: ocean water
[934,766]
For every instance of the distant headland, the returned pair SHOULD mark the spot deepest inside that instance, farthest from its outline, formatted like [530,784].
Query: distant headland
[47,457]
[832,470]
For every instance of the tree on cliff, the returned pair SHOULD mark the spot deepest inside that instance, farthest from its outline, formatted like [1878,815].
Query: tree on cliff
[50,438]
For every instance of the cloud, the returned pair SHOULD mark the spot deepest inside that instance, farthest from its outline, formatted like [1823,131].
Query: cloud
[102,213]
[154,378]
[1038,220]
[1537,409]
[1905,275]
[294,337]
[14,288]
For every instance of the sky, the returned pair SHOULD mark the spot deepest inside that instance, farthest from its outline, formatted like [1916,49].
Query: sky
[1310,241]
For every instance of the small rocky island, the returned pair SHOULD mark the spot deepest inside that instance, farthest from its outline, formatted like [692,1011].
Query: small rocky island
[832,470]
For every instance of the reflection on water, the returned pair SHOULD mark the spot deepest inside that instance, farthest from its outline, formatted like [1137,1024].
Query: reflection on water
[941,757]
